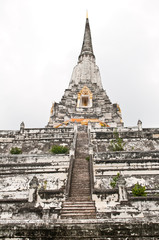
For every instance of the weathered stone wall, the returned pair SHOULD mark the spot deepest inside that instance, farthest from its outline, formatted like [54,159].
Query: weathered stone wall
[134,140]
[101,109]
[36,140]
[132,230]
[138,163]
[16,173]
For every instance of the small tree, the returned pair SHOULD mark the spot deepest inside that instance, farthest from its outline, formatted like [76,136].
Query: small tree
[116,144]
[57,149]
[139,190]
[15,150]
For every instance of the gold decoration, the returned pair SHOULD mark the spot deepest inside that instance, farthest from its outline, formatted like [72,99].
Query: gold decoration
[52,108]
[85,91]
[118,108]
[87,14]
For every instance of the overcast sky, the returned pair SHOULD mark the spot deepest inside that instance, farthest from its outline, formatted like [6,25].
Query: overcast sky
[40,41]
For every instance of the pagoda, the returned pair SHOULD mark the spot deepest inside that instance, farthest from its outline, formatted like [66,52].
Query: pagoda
[85,99]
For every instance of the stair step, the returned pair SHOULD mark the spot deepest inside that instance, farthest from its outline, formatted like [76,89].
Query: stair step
[77,211]
[84,202]
[80,192]
[76,215]
[79,206]
[74,199]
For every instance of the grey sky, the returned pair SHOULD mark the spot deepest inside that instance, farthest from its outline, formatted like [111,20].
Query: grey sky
[40,42]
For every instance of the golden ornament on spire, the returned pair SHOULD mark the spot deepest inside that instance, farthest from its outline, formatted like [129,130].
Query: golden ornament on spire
[87,14]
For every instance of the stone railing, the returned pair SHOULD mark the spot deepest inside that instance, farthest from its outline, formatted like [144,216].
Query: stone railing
[37,132]
[91,172]
[134,132]
[90,158]
[105,156]
[72,159]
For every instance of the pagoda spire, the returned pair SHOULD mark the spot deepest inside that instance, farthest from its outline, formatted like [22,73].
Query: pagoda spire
[87,48]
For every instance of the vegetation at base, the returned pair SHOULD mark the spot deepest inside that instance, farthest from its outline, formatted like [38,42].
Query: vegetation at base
[57,149]
[88,158]
[139,190]
[15,150]
[114,181]
[116,144]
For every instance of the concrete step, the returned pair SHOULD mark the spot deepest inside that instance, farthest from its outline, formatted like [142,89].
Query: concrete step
[74,199]
[79,216]
[77,210]
[79,192]
[79,203]
[82,189]
[74,195]
[77,206]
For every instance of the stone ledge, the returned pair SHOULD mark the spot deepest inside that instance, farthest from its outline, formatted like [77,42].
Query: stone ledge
[147,198]
[14,200]
[32,172]
[126,161]
[47,194]
[101,156]
[134,230]
[105,191]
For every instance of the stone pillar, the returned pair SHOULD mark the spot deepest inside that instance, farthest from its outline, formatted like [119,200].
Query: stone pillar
[71,150]
[89,126]
[122,189]
[91,149]
[22,126]
[75,126]
[139,124]
[33,190]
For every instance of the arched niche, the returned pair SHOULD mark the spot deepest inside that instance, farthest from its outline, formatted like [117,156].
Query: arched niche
[84,98]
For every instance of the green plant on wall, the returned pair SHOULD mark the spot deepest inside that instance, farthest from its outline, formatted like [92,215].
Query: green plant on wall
[117,143]
[88,158]
[139,190]
[45,184]
[114,181]
[57,149]
[15,150]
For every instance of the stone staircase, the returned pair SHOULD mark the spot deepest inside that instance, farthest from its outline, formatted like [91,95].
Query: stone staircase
[79,204]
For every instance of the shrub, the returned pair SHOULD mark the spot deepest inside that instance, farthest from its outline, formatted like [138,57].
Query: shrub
[139,190]
[117,144]
[56,149]
[15,150]
[114,180]
[88,158]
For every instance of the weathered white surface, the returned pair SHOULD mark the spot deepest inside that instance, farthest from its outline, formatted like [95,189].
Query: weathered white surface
[86,70]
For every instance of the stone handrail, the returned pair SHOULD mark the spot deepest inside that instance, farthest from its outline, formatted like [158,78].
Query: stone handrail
[90,158]
[72,159]
[68,186]
[91,173]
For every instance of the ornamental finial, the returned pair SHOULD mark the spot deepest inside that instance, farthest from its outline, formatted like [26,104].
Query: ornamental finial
[87,14]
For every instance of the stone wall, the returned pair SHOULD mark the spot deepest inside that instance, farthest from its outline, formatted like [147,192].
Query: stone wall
[137,163]
[16,173]
[36,140]
[134,140]
[111,230]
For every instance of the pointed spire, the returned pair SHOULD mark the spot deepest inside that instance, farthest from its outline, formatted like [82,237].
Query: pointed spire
[87,40]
